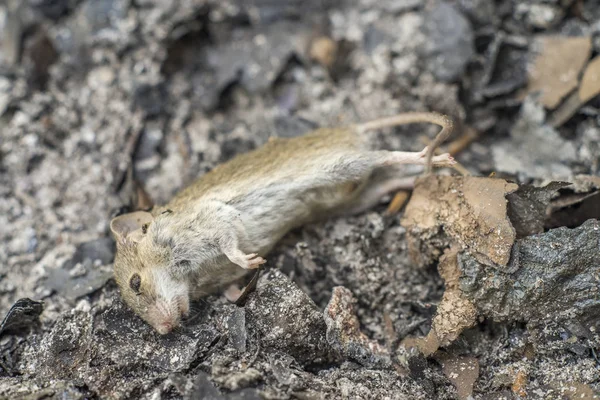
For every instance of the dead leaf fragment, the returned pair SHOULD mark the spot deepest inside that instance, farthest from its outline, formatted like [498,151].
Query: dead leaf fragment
[527,207]
[576,391]
[586,183]
[589,88]
[575,204]
[471,210]
[454,314]
[462,372]
[323,50]
[555,71]
[519,384]
[590,83]
[572,210]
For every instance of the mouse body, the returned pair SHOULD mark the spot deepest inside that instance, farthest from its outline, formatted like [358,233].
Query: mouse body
[212,232]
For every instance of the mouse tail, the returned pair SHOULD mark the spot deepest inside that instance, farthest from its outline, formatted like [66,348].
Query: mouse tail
[445,122]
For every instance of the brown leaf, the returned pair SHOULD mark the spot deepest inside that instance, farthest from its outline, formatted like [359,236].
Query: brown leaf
[454,314]
[556,69]
[462,372]
[471,210]
[590,83]
[576,391]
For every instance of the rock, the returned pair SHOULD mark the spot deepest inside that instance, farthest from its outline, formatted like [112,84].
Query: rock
[286,319]
[102,350]
[539,15]
[538,279]
[551,279]
[253,58]
[100,14]
[203,389]
[531,151]
[481,11]
[87,271]
[454,314]
[23,314]
[450,42]
[527,207]
[53,9]
[288,126]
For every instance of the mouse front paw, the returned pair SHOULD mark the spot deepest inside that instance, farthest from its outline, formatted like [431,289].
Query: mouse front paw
[246,261]
[253,261]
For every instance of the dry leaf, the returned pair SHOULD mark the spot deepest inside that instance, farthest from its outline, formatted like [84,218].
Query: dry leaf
[590,83]
[519,384]
[454,314]
[576,391]
[471,210]
[588,89]
[462,372]
[556,69]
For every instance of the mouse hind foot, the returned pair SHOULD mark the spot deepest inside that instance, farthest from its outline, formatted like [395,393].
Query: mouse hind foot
[387,158]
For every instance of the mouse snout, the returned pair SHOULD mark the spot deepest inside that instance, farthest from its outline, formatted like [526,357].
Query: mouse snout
[170,304]
[164,328]
[165,316]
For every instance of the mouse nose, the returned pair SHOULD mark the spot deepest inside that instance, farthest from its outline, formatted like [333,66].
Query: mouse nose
[165,328]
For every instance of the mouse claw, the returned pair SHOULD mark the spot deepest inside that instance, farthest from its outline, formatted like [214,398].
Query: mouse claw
[443,160]
[254,261]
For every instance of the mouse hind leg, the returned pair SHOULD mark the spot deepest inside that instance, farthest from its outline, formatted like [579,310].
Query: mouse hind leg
[375,190]
[384,181]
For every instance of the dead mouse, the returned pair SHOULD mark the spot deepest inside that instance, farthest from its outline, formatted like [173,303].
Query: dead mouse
[214,231]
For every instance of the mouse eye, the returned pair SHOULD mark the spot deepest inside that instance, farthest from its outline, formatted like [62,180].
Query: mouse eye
[135,282]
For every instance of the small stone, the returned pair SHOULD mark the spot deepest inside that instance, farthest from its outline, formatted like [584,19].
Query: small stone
[538,15]
[79,275]
[323,50]
[450,42]
[531,151]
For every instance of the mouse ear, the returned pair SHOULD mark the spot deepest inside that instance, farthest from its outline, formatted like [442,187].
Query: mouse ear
[127,224]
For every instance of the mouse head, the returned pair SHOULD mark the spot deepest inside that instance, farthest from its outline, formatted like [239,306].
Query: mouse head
[141,269]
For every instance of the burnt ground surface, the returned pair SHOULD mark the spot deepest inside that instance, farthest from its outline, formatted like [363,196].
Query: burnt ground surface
[88,87]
